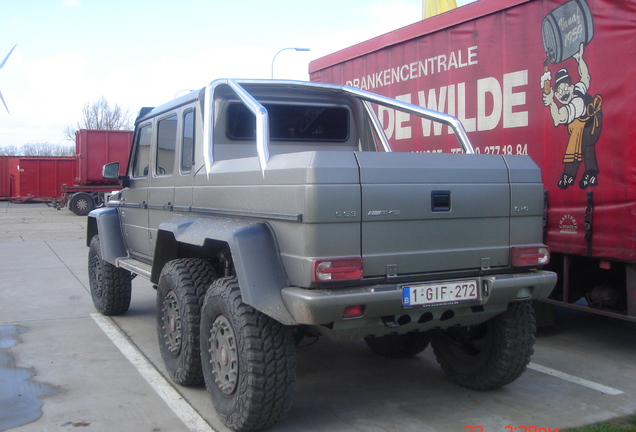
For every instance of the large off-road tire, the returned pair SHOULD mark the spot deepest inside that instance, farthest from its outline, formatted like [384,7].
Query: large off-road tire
[489,355]
[81,203]
[182,284]
[399,346]
[249,363]
[110,286]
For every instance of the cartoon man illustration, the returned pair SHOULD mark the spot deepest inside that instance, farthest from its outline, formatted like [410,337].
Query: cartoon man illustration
[582,115]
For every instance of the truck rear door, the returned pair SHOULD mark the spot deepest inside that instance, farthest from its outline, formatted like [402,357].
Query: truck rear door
[424,213]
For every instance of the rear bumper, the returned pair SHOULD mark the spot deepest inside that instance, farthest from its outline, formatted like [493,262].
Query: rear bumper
[325,307]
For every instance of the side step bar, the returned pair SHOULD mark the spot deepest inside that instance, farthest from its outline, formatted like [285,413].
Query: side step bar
[135,266]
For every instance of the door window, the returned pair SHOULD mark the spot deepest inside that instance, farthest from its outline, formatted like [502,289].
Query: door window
[166,145]
[142,151]
[187,151]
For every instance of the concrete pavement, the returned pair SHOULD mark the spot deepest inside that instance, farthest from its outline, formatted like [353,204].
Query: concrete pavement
[62,367]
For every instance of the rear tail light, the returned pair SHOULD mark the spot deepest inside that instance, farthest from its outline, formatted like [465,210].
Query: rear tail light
[353,311]
[526,256]
[337,269]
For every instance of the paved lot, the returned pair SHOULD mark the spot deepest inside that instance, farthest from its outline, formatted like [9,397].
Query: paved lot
[65,368]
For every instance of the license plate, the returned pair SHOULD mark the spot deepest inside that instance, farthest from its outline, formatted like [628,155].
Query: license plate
[439,293]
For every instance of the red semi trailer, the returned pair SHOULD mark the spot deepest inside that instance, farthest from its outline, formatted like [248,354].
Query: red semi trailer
[93,150]
[550,78]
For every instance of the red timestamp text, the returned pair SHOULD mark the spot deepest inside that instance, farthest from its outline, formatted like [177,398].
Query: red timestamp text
[513,429]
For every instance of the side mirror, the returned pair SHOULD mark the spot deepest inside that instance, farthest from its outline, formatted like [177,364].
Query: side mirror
[111,170]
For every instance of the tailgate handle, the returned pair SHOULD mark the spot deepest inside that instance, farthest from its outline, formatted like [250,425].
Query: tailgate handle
[440,201]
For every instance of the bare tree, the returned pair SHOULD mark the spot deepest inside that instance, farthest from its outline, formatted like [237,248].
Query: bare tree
[39,150]
[47,149]
[100,115]
[9,150]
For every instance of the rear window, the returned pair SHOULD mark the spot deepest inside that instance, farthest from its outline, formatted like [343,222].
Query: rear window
[291,123]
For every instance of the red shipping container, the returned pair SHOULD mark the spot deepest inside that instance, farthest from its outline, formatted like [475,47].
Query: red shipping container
[96,148]
[5,180]
[40,177]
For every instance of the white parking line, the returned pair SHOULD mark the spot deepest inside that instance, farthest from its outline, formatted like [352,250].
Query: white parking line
[576,380]
[175,401]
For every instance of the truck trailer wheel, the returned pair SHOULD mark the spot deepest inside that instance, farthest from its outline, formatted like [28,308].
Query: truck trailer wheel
[249,362]
[110,286]
[489,355]
[181,286]
[398,346]
[81,203]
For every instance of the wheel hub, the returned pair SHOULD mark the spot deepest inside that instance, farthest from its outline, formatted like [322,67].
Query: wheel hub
[223,355]
[82,204]
[171,323]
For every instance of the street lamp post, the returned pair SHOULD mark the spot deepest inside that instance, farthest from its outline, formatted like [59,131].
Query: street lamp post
[281,50]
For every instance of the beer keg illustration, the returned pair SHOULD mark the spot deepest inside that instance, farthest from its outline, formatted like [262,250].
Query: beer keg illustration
[565,29]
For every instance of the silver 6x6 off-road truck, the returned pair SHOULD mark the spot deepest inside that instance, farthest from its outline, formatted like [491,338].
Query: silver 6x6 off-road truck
[266,210]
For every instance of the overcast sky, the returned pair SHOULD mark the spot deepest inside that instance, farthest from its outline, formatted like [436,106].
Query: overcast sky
[142,53]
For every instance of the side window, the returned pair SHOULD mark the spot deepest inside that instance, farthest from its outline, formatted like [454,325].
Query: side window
[187,151]
[166,145]
[142,151]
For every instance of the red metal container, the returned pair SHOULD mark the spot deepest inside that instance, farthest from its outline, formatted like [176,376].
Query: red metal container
[39,178]
[550,78]
[5,180]
[76,181]
[94,149]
